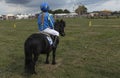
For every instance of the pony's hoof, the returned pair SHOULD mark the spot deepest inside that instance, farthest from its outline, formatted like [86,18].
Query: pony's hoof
[35,73]
[47,62]
[53,63]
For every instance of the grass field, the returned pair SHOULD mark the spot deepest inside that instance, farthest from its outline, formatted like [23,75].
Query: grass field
[85,52]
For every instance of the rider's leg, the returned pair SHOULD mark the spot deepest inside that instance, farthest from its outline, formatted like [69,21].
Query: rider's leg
[52,32]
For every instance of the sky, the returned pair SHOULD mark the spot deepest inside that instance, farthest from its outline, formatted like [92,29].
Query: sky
[33,6]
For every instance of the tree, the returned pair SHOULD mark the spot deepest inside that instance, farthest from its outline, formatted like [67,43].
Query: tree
[81,10]
[58,11]
[50,11]
[66,11]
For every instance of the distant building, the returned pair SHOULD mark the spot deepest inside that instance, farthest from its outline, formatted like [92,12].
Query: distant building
[105,13]
[99,14]
[66,15]
[31,16]
[36,15]
[73,14]
[25,16]
[1,17]
[4,17]
[10,17]
[116,13]
[22,16]
[93,14]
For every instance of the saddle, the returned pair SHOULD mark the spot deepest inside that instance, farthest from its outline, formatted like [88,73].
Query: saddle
[49,37]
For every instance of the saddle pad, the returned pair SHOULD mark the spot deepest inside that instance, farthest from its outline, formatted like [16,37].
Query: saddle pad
[50,40]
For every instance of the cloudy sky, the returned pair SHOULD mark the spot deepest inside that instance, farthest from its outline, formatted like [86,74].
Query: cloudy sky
[32,6]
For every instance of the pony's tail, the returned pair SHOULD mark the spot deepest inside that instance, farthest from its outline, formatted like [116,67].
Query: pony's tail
[29,64]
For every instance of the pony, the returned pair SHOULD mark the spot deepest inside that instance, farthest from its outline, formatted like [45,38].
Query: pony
[37,44]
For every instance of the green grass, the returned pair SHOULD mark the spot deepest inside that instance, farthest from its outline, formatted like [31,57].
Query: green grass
[85,52]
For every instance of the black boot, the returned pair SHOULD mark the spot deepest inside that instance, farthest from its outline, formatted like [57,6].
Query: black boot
[55,40]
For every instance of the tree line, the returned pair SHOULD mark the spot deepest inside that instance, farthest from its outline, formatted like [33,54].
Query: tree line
[59,11]
[79,10]
[82,9]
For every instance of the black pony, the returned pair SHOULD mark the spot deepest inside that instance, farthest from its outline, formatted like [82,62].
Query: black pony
[37,44]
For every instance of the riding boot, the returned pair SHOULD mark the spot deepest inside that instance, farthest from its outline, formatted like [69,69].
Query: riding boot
[55,40]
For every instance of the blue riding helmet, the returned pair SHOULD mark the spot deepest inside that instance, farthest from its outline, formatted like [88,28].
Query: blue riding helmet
[44,7]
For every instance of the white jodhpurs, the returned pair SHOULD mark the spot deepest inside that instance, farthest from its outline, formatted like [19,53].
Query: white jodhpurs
[51,31]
